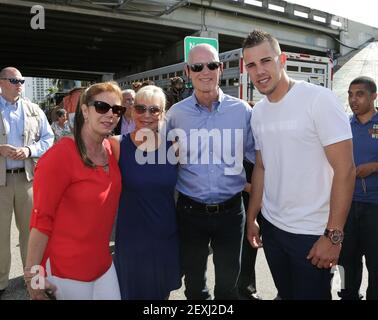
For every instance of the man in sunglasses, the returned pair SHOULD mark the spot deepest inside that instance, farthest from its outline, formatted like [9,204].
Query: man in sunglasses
[25,135]
[210,208]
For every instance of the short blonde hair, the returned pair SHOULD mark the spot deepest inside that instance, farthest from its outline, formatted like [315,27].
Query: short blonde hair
[150,92]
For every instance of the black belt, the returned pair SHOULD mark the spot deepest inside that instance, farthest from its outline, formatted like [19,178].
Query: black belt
[211,208]
[18,170]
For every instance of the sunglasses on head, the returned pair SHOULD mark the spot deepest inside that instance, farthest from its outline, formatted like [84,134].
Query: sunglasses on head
[14,80]
[198,67]
[141,109]
[102,107]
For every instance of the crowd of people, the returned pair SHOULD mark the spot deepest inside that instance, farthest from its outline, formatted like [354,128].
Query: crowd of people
[290,173]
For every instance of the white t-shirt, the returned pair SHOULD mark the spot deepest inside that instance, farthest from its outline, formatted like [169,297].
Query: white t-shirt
[291,136]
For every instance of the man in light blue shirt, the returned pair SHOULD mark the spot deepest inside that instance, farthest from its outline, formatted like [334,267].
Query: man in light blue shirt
[25,135]
[214,136]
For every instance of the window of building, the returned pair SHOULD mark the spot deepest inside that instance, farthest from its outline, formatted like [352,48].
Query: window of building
[233,64]
[306,69]
[293,68]
[233,82]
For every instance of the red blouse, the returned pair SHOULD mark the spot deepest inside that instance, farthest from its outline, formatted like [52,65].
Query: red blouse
[75,206]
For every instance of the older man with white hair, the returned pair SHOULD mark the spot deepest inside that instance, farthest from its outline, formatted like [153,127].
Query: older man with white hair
[210,207]
[126,123]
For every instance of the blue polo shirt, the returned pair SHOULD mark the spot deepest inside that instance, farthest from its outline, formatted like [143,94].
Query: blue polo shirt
[365,149]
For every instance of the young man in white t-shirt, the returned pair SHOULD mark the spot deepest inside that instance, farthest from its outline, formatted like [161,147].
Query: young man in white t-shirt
[303,176]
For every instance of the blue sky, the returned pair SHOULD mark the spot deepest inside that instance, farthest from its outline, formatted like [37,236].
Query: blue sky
[365,11]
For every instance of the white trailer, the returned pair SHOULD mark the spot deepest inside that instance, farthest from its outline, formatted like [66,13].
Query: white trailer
[235,80]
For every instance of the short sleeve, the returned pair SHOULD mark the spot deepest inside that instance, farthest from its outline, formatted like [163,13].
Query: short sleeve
[52,177]
[331,121]
[250,146]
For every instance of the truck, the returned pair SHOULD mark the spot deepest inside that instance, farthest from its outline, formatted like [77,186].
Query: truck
[235,80]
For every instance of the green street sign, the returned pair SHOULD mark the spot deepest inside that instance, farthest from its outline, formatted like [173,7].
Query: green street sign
[190,42]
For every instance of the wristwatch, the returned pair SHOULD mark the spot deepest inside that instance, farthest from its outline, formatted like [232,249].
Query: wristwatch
[336,236]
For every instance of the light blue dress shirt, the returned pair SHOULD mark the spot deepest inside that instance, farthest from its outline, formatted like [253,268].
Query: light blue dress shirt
[14,118]
[212,170]
[127,126]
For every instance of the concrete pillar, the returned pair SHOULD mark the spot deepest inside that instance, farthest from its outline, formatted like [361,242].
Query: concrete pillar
[207,34]
[265,4]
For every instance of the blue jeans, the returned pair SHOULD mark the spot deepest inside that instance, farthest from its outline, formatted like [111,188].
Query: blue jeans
[361,238]
[224,232]
[294,276]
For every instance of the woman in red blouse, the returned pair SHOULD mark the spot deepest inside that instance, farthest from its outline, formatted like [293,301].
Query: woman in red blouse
[77,186]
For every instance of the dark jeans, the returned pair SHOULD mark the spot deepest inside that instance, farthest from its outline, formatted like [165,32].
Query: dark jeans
[294,276]
[224,232]
[361,238]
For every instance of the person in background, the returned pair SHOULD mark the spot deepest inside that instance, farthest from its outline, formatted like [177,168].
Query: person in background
[70,102]
[176,91]
[77,187]
[61,127]
[136,86]
[303,176]
[146,245]
[126,124]
[25,135]
[361,229]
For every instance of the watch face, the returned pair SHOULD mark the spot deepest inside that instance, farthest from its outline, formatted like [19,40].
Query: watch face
[336,236]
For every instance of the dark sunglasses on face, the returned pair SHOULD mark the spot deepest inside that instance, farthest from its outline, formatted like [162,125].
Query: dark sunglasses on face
[102,107]
[141,109]
[14,80]
[198,67]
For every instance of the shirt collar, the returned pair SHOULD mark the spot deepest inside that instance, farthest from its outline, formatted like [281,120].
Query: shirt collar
[354,119]
[6,104]
[217,104]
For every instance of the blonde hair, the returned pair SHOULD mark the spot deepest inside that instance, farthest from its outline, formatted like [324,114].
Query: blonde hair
[150,92]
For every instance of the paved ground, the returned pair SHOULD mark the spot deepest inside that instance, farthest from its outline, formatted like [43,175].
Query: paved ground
[265,286]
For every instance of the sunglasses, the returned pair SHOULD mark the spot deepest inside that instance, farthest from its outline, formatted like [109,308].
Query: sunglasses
[141,109]
[198,67]
[14,80]
[102,107]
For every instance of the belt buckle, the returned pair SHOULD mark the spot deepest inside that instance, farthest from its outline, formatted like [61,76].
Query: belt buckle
[212,208]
